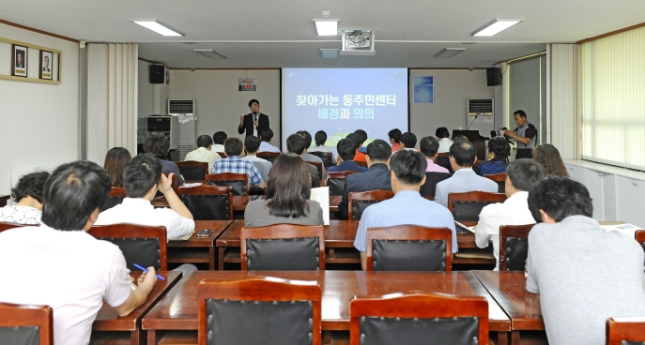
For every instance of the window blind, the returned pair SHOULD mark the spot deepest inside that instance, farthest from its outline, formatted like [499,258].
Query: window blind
[613,99]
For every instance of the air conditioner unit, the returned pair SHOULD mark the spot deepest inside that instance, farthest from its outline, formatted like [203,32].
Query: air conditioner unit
[181,107]
[480,106]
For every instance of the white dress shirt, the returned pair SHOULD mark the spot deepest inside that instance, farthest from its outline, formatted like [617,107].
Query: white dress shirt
[513,211]
[217,148]
[202,154]
[444,145]
[140,211]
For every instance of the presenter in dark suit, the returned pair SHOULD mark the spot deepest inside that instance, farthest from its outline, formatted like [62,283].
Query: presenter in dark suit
[252,122]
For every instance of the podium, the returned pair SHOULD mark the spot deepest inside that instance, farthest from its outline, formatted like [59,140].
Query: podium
[474,137]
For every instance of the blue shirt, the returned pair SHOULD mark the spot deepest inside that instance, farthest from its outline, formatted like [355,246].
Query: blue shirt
[463,180]
[347,166]
[236,165]
[405,208]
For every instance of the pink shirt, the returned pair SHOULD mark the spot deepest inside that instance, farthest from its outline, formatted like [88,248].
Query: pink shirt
[432,167]
[396,147]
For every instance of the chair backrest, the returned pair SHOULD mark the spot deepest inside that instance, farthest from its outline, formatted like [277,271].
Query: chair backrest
[336,181]
[26,324]
[467,206]
[358,201]
[432,178]
[626,331]
[192,170]
[238,182]
[500,179]
[270,156]
[116,197]
[413,319]
[361,163]
[640,238]
[6,225]
[319,167]
[440,158]
[326,157]
[209,202]
[409,248]
[259,311]
[283,247]
[513,247]
[143,245]
[222,154]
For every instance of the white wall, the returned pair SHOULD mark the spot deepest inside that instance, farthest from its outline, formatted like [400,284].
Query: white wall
[218,102]
[153,98]
[38,122]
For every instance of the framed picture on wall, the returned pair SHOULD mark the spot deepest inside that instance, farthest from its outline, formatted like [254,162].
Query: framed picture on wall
[46,65]
[18,61]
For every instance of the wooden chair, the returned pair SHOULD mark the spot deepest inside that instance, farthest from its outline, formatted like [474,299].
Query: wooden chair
[336,181]
[467,206]
[625,330]
[115,197]
[192,170]
[640,238]
[144,245]
[6,226]
[209,202]
[278,311]
[222,154]
[432,178]
[500,179]
[415,318]
[440,158]
[22,324]
[270,156]
[361,163]
[238,182]
[319,167]
[513,247]
[283,247]
[358,201]
[326,157]
[409,248]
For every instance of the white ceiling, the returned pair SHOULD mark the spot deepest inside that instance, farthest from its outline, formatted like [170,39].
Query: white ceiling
[261,33]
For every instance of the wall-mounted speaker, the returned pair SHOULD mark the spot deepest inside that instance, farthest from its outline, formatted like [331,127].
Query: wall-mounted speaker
[493,76]
[157,74]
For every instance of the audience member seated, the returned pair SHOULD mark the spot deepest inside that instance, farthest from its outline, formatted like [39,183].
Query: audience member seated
[462,157]
[549,156]
[115,161]
[408,141]
[395,139]
[521,176]
[321,138]
[360,136]
[296,144]
[408,206]
[287,196]
[443,135]
[346,151]
[58,264]
[234,164]
[204,152]
[28,198]
[252,145]
[158,146]
[583,273]
[377,177]
[308,157]
[218,141]
[266,134]
[498,152]
[429,147]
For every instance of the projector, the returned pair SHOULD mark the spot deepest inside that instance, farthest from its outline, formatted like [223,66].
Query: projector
[358,42]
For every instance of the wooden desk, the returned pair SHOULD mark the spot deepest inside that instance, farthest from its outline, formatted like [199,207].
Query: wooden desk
[3,200]
[198,249]
[239,202]
[339,234]
[178,309]
[334,200]
[108,324]
[508,289]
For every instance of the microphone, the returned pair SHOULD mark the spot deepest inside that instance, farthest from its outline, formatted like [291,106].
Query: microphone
[472,122]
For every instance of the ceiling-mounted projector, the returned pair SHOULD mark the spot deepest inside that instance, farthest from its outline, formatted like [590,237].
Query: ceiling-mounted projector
[358,42]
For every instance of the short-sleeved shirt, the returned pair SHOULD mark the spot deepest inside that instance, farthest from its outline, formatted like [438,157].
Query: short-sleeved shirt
[263,165]
[267,147]
[405,208]
[70,271]
[347,166]
[203,154]
[432,167]
[20,215]
[584,275]
[236,165]
[527,130]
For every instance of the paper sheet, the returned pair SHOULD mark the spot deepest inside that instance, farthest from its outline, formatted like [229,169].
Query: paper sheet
[321,194]
[469,228]
[625,229]
[190,185]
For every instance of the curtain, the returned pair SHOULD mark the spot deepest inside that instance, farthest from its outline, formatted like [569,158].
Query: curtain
[565,132]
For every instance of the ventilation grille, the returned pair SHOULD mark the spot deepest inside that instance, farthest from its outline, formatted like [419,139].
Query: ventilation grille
[181,106]
[185,149]
[480,107]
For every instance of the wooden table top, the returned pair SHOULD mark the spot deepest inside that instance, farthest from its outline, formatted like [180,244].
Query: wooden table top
[508,289]
[108,319]
[218,226]
[338,234]
[178,309]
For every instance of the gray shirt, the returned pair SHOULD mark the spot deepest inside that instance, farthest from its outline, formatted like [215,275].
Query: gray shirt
[584,275]
[257,213]
[263,166]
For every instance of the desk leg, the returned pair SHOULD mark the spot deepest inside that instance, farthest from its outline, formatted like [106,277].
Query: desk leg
[152,337]
[502,338]
[515,338]
[220,258]
[211,258]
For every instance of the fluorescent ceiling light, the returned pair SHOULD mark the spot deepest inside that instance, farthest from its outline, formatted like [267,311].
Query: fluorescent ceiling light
[495,27]
[157,27]
[329,53]
[449,52]
[209,53]
[326,27]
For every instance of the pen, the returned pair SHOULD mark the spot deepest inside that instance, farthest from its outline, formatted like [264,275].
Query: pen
[146,270]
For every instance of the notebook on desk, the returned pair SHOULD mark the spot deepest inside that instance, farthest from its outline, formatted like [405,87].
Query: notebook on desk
[462,227]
